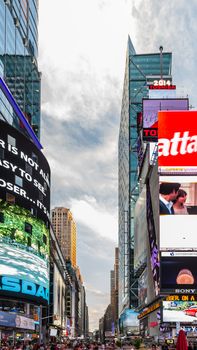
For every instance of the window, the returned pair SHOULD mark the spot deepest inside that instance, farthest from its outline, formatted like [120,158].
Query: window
[12,141]
[18,181]
[28,228]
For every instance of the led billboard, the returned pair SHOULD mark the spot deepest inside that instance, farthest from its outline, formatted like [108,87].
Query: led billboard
[150,114]
[178,274]
[142,288]
[140,231]
[179,311]
[24,252]
[177,142]
[24,173]
[185,201]
[178,232]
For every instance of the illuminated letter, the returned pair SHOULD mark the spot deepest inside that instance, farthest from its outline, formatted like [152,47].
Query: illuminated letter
[192,147]
[11,284]
[174,143]
[28,288]
[163,147]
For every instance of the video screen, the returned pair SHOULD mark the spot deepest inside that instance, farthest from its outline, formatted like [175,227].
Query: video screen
[178,232]
[180,311]
[178,272]
[150,114]
[24,254]
[180,192]
[24,173]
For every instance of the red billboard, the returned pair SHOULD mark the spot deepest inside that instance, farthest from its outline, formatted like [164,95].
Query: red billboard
[177,142]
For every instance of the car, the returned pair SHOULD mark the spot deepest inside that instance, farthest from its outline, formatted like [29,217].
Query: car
[191,311]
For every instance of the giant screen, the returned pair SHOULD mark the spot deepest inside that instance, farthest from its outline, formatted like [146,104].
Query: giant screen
[24,211]
[177,147]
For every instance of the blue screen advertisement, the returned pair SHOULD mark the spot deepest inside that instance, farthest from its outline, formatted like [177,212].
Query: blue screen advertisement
[24,254]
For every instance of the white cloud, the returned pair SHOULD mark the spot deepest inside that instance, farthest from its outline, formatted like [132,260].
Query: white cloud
[98,219]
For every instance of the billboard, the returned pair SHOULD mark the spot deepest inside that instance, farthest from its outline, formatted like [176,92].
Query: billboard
[178,274]
[150,114]
[142,288]
[140,231]
[24,173]
[24,253]
[179,311]
[177,142]
[178,232]
[17,321]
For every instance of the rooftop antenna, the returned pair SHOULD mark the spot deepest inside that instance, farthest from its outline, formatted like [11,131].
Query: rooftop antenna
[161,61]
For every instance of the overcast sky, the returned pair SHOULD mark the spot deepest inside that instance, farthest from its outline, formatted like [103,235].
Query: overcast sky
[82,52]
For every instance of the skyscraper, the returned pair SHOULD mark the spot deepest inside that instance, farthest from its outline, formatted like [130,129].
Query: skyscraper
[65,230]
[140,68]
[18,55]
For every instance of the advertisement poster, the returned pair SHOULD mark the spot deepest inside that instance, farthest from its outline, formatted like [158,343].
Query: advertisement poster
[179,311]
[177,142]
[178,273]
[150,114]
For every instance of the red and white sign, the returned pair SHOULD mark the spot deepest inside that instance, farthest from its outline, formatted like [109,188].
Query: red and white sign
[177,140]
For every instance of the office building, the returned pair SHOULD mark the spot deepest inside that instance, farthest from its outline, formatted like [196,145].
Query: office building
[65,230]
[18,56]
[140,70]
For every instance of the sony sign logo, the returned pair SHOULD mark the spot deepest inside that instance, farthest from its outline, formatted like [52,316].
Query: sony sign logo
[183,291]
[17,285]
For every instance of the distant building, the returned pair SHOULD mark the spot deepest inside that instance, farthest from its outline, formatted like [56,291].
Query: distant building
[65,229]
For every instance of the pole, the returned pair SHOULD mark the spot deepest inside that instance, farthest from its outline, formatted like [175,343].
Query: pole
[40,324]
[161,61]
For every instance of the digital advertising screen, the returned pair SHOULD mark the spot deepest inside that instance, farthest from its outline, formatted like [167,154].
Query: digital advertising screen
[150,114]
[24,254]
[140,231]
[24,173]
[178,232]
[185,200]
[177,142]
[142,288]
[179,311]
[178,274]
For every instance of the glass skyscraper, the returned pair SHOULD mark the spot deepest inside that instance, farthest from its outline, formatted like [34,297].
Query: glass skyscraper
[139,68]
[18,55]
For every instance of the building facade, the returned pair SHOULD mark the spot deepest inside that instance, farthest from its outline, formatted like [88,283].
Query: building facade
[18,56]
[65,230]
[139,70]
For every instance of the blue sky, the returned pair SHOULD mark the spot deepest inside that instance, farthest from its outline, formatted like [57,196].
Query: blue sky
[82,52]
